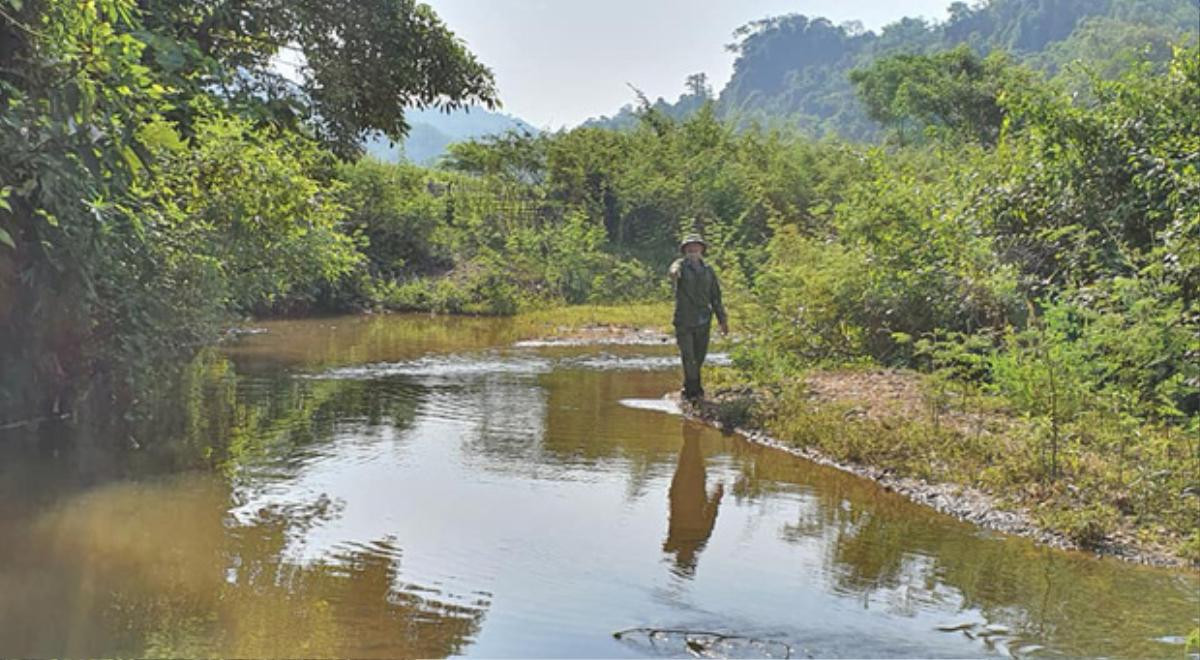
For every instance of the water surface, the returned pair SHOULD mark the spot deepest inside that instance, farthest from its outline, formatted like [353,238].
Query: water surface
[411,487]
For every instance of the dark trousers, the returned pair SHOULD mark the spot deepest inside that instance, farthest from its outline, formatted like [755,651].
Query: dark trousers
[693,348]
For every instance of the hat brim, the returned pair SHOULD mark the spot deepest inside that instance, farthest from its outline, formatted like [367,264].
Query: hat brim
[702,244]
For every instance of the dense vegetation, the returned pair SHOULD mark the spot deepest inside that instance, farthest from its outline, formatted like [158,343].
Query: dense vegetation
[157,172]
[1031,240]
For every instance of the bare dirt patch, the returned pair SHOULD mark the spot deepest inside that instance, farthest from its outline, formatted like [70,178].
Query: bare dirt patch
[890,395]
[879,393]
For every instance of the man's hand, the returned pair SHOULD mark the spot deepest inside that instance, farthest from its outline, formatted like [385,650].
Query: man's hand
[725,328]
[675,270]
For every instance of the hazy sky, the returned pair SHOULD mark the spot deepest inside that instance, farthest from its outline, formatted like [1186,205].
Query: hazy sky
[558,62]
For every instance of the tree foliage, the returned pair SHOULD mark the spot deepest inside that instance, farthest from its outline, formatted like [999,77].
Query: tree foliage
[954,91]
[157,173]
[1086,214]
[358,64]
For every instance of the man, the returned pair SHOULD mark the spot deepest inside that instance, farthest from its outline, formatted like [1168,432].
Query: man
[697,299]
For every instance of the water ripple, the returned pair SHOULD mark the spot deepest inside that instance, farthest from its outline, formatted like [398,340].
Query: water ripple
[457,368]
[451,368]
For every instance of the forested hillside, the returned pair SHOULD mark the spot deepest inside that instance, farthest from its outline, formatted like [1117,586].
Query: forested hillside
[431,131]
[794,70]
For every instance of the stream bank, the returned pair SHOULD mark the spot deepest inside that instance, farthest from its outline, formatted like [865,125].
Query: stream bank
[896,400]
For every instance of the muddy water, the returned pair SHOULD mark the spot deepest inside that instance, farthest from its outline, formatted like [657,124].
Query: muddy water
[406,486]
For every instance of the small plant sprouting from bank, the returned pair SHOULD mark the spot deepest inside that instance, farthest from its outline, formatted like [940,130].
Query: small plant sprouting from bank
[1047,376]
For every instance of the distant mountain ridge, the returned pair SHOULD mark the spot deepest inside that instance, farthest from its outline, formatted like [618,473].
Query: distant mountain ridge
[794,69]
[433,130]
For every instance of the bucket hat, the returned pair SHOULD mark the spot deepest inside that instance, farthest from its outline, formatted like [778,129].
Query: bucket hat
[693,238]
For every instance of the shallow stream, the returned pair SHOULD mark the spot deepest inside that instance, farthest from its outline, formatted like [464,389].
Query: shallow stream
[409,486]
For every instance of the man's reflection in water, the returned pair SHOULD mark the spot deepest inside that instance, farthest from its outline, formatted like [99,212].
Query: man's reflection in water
[693,511]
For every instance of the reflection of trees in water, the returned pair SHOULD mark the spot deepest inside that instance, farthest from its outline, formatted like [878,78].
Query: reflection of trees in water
[157,570]
[586,425]
[505,414]
[560,420]
[209,416]
[277,415]
[316,344]
[206,417]
[902,556]
[692,511]
[355,603]
[155,567]
[273,417]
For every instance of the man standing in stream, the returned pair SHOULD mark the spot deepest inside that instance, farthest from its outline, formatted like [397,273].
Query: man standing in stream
[697,299]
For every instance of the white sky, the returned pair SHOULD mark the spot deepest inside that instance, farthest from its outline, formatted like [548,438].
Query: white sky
[559,62]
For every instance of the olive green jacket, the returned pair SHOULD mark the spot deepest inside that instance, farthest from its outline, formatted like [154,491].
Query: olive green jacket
[697,294]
